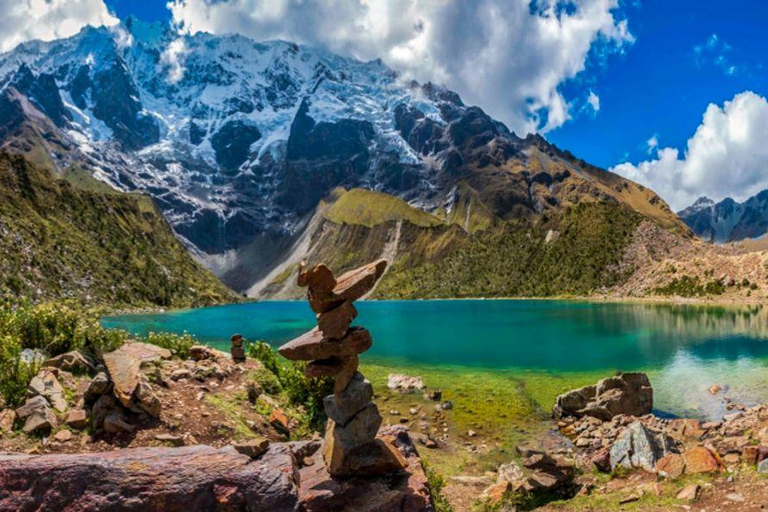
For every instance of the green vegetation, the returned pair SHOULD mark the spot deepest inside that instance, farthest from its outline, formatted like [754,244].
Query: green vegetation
[72,238]
[515,259]
[368,208]
[55,329]
[435,482]
[688,286]
[289,377]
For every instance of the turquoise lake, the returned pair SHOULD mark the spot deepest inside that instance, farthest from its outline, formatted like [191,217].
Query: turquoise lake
[685,349]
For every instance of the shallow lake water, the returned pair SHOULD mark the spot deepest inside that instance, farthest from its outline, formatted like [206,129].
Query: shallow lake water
[685,349]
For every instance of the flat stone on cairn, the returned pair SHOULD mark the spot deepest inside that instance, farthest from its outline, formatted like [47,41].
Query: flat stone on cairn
[351,447]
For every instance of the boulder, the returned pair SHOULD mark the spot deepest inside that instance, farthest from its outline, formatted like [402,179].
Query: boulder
[349,287]
[77,419]
[671,466]
[639,447]
[762,468]
[46,384]
[193,478]
[146,398]
[404,383]
[344,406]
[72,362]
[99,385]
[115,423]
[700,460]
[40,422]
[689,492]
[63,436]
[7,419]
[145,352]
[253,448]
[626,393]
[123,370]
[32,405]
[403,491]
[313,345]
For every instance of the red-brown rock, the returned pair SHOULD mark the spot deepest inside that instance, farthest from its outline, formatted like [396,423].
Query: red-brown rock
[334,324]
[313,345]
[356,283]
[194,478]
[324,367]
[403,491]
[671,466]
[318,278]
[700,460]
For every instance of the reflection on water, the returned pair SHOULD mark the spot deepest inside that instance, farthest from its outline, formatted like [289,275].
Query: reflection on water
[685,348]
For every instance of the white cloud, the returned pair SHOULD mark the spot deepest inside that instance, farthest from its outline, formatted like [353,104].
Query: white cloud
[715,51]
[594,101]
[24,20]
[508,56]
[652,143]
[726,157]
[172,60]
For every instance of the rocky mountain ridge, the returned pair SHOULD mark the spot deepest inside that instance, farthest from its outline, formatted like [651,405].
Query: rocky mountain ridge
[240,142]
[728,220]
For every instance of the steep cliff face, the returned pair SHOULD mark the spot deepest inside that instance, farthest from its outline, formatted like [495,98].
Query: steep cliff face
[241,142]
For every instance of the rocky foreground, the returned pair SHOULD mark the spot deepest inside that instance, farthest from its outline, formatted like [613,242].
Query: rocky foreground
[144,430]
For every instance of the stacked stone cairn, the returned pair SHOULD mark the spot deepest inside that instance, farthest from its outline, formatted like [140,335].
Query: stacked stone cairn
[237,350]
[351,447]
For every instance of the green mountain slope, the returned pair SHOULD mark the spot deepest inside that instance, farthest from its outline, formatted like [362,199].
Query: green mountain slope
[69,237]
[465,252]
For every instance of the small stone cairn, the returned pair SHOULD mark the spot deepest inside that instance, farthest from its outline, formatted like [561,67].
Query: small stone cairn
[237,350]
[351,447]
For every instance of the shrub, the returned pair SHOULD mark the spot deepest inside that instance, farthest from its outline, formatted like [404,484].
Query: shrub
[15,373]
[179,345]
[436,482]
[300,389]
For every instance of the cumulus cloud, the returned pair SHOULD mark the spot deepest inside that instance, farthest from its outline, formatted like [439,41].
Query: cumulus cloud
[172,60]
[24,20]
[508,56]
[726,157]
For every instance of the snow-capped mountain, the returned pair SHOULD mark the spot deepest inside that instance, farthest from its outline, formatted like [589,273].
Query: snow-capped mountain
[728,220]
[238,141]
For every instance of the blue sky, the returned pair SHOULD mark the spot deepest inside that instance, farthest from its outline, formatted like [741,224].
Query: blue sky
[600,78]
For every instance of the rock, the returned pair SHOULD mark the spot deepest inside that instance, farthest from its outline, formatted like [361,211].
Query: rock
[115,423]
[749,454]
[313,345]
[638,447]
[72,362]
[629,499]
[762,468]
[99,385]
[7,419]
[279,420]
[510,472]
[46,384]
[253,391]
[334,324]
[145,352]
[732,417]
[40,421]
[345,375]
[405,492]
[356,283]
[238,354]
[146,398]
[188,478]
[170,438]
[325,367]
[31,406]
[361,429]
[471,433]
[715,389]
[427,441]
[671,466]
[689,492]
[404,383]
[345,405]
[201,353]
[626,393]
[436,395]
[181,373]
[253,448]
[123,371]
[700,460]
[602,460]
[63,436]
[318,278]
[77,419]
